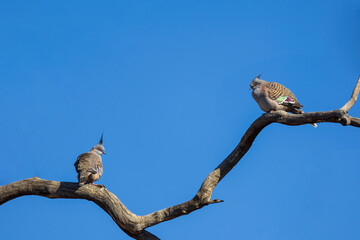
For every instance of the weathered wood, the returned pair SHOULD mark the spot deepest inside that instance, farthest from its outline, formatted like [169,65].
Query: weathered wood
[353,97]
[135,225]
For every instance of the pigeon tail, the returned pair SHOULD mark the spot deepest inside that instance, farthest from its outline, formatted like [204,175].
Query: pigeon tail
[82,178]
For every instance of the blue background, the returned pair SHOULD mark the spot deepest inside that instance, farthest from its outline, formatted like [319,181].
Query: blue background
[168,83]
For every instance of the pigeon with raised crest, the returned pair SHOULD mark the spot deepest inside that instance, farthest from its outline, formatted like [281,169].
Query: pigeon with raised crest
[272,96]
[89,166]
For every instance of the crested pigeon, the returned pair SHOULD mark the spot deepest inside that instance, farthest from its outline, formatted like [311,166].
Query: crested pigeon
[89,166]
[272,96]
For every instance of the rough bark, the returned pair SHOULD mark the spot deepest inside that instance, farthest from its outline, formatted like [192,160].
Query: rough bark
[135,225]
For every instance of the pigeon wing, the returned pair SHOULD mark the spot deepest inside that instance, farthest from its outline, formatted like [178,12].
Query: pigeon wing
[282,95]
[87,164]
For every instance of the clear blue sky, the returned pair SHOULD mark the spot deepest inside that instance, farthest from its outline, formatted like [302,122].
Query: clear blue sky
[168,84]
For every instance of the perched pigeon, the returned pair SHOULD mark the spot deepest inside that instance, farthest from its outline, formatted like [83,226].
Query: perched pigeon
[272,96]
[89,166]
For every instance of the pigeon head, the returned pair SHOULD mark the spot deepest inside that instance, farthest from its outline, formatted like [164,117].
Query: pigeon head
[255,83]
[99,149]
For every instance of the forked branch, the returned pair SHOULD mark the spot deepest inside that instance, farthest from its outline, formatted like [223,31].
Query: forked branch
[135,225]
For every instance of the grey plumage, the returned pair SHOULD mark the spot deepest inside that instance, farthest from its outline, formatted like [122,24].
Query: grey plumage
[272,96]
[89,166]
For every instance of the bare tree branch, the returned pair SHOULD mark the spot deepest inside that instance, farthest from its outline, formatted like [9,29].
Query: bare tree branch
[95,193]
[135,225]
[353,98]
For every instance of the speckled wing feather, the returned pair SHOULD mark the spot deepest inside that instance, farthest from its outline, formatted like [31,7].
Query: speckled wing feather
[88,164]
[282,95]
